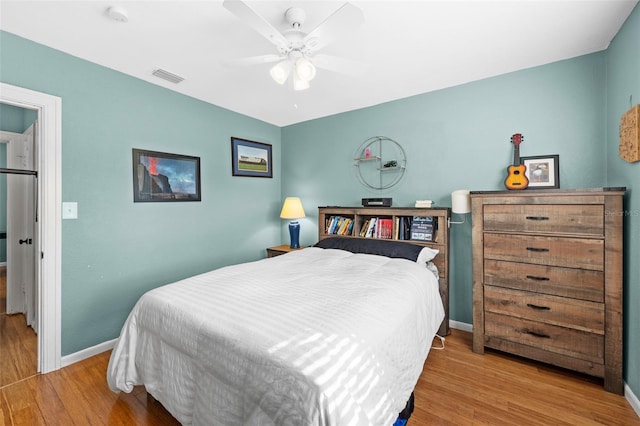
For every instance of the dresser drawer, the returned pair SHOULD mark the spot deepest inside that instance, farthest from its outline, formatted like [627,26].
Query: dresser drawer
[585,220]
[562,311]
[555,280]
[554,251]
[548,337]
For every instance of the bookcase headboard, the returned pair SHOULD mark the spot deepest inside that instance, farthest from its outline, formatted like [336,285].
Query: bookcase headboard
[395,221]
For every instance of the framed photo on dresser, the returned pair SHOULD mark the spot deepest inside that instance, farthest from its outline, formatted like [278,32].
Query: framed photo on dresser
[542,171]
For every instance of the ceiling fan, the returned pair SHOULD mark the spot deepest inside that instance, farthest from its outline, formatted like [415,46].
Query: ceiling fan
[296,49]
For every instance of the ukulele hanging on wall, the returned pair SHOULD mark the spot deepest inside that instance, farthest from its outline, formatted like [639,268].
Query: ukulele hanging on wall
[516,178]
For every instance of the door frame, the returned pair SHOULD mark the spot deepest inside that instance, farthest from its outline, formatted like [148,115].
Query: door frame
[48,248]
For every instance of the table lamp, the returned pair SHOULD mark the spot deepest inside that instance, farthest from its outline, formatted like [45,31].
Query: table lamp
[460,204]
[292,209]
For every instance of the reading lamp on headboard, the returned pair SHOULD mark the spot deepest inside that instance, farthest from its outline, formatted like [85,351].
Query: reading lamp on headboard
[292,209]
[460,204]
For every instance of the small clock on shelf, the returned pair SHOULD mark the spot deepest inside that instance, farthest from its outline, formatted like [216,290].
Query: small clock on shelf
[630,135]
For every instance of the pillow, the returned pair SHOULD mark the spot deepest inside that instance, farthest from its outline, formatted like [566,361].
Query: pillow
[427,254]
[396,249]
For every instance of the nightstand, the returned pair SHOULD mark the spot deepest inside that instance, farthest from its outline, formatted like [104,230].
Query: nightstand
[278,250]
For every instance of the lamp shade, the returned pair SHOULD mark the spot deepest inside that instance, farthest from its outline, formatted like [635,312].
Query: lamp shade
[305,69]
[461,201]
[280,71]
[299,83]
[292,208]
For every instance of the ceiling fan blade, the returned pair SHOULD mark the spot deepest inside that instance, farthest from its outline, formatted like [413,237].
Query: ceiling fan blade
[340,65]
[257,22]
[254,60]
[343,20]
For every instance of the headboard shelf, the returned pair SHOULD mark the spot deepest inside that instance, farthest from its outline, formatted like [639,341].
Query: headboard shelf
[356,220]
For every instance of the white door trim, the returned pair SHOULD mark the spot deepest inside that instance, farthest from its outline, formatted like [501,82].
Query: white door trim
[49,241]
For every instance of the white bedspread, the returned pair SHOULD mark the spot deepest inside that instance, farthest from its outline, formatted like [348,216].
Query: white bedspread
[313,337]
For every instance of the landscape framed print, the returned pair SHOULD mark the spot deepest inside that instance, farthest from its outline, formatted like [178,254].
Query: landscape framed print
[249,158]
[160,176]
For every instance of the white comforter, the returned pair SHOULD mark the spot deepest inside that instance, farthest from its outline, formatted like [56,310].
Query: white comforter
[314,337]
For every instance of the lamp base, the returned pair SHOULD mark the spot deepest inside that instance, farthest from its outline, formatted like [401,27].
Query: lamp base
[294,234]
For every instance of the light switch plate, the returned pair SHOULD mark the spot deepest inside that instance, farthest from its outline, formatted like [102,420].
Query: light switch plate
[70,210]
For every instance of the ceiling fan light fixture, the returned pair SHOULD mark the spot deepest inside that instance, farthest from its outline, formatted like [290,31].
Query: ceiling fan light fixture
[280,71]
[305,69]
[299,83]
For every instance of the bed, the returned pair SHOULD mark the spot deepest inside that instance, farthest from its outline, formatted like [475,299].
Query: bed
[320,336]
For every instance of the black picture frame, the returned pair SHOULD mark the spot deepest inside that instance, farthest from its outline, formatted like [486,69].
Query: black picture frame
[164,177]
[251,159]
[542,171]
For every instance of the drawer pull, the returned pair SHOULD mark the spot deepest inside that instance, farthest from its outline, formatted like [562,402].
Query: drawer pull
[533,277]
[536,334]
[538,307]
[537,218]
[537,249]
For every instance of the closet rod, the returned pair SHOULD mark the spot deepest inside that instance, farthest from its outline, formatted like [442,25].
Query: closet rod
[19,172]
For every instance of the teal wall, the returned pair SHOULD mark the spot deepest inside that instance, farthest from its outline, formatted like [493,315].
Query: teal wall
[623,91]
[454,139]
[118,249]
[15,119]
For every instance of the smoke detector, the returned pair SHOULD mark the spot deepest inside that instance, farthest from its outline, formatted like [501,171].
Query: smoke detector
[118,13]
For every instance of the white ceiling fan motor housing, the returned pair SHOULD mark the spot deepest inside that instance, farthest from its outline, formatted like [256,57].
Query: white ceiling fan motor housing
[295,16]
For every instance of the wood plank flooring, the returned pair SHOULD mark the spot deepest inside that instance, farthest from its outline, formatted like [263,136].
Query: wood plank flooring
[457,387]
[18,342]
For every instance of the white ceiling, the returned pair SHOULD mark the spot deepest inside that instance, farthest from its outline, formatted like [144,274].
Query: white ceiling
[409,47]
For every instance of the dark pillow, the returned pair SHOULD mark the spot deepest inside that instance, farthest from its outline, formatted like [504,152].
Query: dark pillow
[387,248]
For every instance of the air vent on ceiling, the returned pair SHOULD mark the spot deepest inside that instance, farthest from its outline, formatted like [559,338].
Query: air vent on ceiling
[166,75]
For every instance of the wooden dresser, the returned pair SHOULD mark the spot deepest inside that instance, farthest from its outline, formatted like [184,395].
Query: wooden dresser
[547,277]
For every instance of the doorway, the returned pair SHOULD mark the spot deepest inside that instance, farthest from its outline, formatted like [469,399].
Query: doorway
[18,310]
[47,241]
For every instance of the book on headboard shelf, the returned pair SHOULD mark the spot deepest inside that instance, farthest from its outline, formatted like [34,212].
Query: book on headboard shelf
[416,228]
[377,227]
[423,228]
[339,225]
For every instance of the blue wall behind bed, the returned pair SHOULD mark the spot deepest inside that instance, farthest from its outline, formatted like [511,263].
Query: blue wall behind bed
[454,139]
[623,90]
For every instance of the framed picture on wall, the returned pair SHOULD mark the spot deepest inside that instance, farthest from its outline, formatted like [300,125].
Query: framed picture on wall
[542,171]
[249,158]
[159,176]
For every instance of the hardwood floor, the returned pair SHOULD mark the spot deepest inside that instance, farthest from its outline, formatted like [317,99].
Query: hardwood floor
[18,342]
[457,387]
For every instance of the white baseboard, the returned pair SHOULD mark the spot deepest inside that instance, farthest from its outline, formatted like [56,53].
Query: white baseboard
[632,398]
[461,326]
[3,264]
[88,352]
